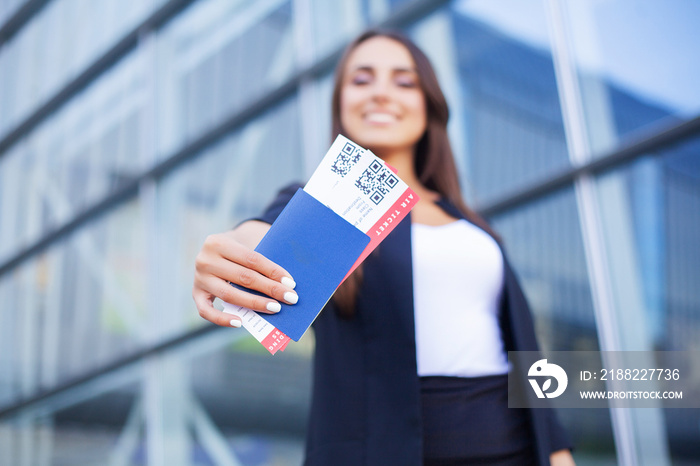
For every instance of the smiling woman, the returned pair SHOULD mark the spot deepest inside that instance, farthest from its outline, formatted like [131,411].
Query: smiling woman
[382,104]
[410,364]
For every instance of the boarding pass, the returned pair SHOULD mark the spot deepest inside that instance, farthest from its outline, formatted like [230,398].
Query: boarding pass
[359,187]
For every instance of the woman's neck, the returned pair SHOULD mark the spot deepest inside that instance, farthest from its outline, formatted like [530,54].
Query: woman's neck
[402,161]
[425,211]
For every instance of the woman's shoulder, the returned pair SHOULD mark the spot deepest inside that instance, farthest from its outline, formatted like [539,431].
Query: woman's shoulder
[287,192]
[275,208]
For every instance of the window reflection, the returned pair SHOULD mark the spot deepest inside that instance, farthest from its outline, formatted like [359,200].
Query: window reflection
[508,130]
[71,34]
[633,66]
[659,298]
[89,149]
[215,60]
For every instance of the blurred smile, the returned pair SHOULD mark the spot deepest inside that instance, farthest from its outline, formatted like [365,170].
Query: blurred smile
[380,118]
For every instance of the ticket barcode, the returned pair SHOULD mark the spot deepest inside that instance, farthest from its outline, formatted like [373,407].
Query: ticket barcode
[376,181]
[346,159]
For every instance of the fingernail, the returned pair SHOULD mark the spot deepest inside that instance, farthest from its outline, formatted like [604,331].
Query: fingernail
[235,323]
[273,306]
[291,297]
[288,282]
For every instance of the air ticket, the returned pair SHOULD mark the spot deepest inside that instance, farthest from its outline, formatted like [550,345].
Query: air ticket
[268,336]
[356,184]
[360,188]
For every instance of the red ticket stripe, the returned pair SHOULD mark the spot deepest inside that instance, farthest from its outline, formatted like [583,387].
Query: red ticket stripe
[284,344]
[386,224]
[274,341]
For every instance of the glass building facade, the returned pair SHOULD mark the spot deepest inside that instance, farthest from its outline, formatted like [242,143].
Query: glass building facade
[130,130]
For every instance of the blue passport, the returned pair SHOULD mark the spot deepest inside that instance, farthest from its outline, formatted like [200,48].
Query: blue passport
[317,247]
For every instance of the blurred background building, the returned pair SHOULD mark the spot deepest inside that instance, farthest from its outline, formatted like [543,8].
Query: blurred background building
[131,129]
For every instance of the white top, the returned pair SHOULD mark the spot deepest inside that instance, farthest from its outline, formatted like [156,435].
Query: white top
[457,281]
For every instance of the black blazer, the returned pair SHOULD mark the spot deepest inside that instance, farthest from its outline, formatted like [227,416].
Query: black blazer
[365,408]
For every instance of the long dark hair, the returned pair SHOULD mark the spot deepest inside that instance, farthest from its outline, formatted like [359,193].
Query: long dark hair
[434,161]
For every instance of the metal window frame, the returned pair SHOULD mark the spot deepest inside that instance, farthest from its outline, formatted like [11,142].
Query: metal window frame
[92,72]
[658,140]
[121,363]
[20,18]
[402,17]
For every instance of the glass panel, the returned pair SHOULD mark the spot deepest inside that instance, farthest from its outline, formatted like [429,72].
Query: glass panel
[334,23]
[88,149]
[76,307]
[11,195]
[94,297]
[9,360]
[651,216]
[229,183]
[495,65]
[92,423]
[315,116]
[633,65]
[9,8]
[260,403]
[218,398]
[57,45]
[216,58]
[545,247]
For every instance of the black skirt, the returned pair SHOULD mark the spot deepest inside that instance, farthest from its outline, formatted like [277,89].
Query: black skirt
[467,421]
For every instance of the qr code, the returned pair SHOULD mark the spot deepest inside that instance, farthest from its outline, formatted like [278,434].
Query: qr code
[346,159]
[376,181]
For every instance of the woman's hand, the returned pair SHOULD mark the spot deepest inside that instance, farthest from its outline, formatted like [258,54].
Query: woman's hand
[229,257]
[561,458]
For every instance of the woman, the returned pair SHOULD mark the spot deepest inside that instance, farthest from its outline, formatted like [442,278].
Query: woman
[410,364]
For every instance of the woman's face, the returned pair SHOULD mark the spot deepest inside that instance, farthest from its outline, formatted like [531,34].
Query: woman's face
[382,106]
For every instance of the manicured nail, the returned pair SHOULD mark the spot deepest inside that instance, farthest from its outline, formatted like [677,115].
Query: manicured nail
[235,323]
[288,282]
[273,306]
[291,297]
